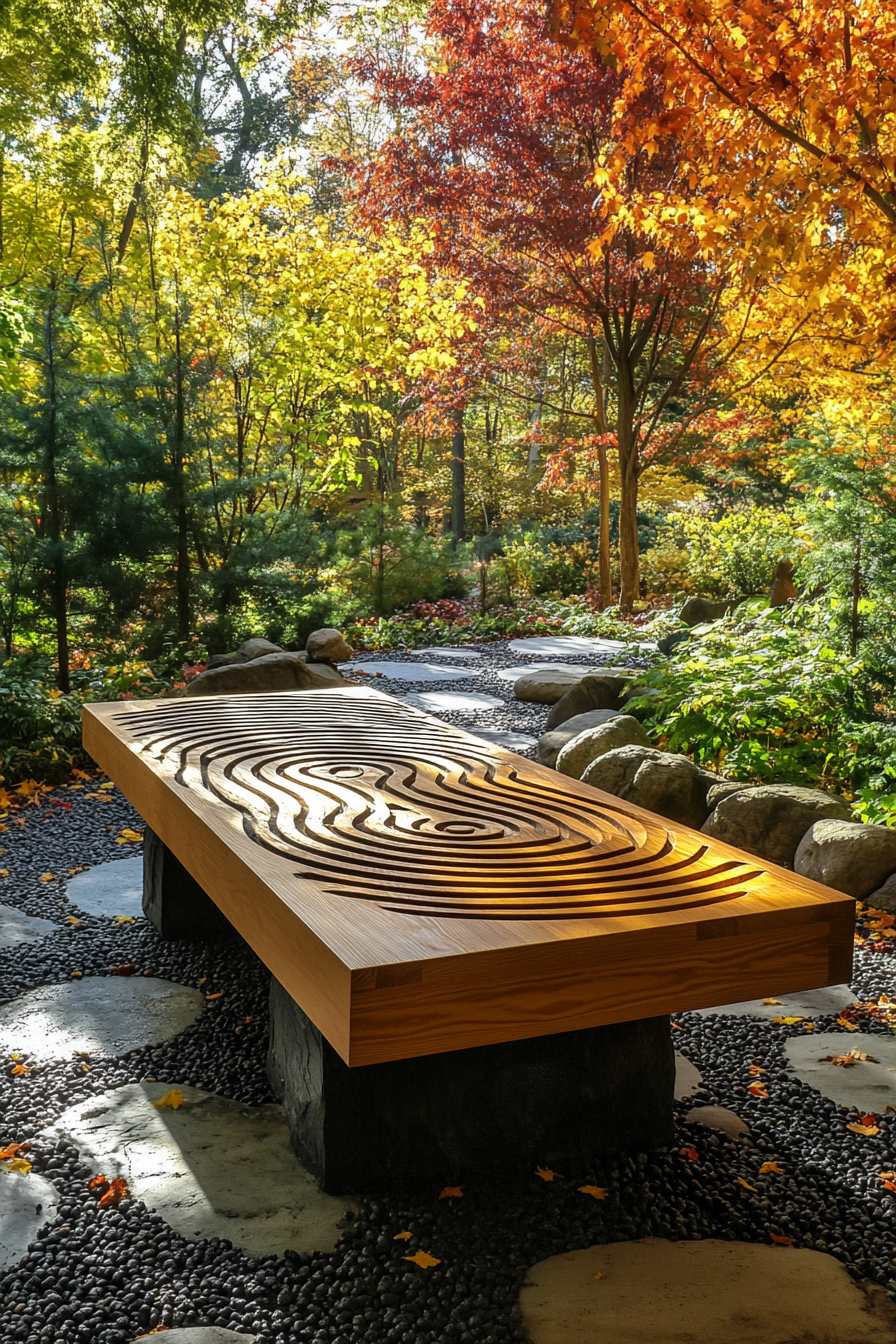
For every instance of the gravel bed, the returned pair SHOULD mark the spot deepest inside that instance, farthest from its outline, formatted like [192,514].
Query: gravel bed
[107,1276]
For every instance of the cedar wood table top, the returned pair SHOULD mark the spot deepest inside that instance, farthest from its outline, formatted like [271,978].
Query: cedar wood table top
[419,890]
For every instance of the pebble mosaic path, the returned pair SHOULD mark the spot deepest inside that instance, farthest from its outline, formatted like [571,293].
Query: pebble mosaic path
[812,1177]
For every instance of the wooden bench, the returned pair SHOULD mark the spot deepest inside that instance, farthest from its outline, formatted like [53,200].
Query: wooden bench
[451,927]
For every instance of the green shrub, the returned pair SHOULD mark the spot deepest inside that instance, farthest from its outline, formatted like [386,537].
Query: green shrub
[736,555]
[384,564]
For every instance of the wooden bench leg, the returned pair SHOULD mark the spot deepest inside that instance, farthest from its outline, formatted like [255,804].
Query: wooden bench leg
[173,901]
[556,1101]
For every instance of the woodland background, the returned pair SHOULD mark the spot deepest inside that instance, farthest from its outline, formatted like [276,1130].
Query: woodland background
[439,322]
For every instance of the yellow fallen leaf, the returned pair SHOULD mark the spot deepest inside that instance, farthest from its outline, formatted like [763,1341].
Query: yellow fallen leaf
[771,1167]
[72,919]
[848,1060]
[108,785]
[755,1070]
[129,837]
[545,1173]
[596,1191]
[173,1098]
[864,1129]
[771,1001]
[122,919]
[19,1070]
[402,1236]
[423,1259]
[18,1164]
[850,1026]
[4,872]
[600,1275]
[746,1185]
[788,1021]
[48,877]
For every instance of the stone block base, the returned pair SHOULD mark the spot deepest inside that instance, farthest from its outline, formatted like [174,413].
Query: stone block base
[173,901]
[554,1101]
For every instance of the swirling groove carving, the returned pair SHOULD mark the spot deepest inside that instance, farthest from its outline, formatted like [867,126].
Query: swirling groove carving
[375,803]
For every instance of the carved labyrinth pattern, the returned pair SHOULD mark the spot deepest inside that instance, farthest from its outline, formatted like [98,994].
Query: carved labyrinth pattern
[373,802]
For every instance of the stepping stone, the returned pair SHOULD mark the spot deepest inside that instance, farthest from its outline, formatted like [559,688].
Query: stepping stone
[687,1077]
[114,888]
[441,651]
[451,702]
[412,672]
[720,1118]
[211,1167]
[810,1003]
[701,1292]
[513,674]
[512,741]
[869,1085]
[17,927]
[566,646]
[103,1015]
[202,1334]
[27,1201]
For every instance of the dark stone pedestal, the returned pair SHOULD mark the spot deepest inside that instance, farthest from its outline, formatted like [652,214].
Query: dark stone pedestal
[173,901]
[554,1101]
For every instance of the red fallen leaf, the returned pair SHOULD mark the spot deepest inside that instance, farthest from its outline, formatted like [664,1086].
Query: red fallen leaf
[451,1192]
[117,1191]
[866,1120]
[690,1153]
[57,802]
[96,1181]
[127,969]
[779,1240]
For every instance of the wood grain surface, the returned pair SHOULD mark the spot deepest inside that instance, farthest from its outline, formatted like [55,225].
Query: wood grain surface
[419,890]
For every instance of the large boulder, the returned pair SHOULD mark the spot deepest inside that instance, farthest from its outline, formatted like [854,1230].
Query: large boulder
[725,789]
[885,897]
[549,685]
[273,672]
[662,782]
[247,651]
[771,820]
[328,646]
[550,744]
[702,610]
[596,690]
[578,753]
[847,855]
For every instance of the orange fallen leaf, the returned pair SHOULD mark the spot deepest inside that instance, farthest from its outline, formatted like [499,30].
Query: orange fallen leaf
[788,1021]
[771,1168]
[848,1060]
[96,1181]
[600,1274]
[779,1002]
[596,1191]
[423,1259]
[174,1098]
[781,1241]
[215,996]
[757,1090]
[746,1185]
[72,919]
[13,1149]
[402,1236]
[128,968]
[545,1173]
[868,1130]
[690,1153]
[451,1192]
[889,1185]
[48,877]
[19,1070]
[117,1191]
[755,1070]
[850,1026]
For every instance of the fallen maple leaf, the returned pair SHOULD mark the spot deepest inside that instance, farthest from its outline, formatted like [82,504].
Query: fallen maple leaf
[12,1150]
[174,1098]
[423,1259]
[746,1185]
[771,1168]
[117,1191]
[451,1192]
[781,1241]
[128,968]
[596,1191]
[545,1173]
[848,1060]
[868,1130]
[402,1236]
[19,1070]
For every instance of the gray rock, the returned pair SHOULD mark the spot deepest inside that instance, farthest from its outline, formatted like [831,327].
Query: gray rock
[885,897]
[103,1015]
[412,673]
[251,649]
[269,672]
[27,1201]
[210,1167]
[114,888]
[16,927]
[594,691]
[726,789]
[664,783]
[328,646]
[579,752]
[701,610]
[451,702]
[203,1334]
[869,1084]
[687,1077]
[772,819]
[720,1118]
[547,685]
[222,660]
[550,744]
[847,855]
[501,738]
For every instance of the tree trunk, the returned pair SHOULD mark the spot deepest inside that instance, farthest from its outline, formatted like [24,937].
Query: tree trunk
[605,582]
[855,597]
[182,563]
[58,585]
[626,435]
[458,477]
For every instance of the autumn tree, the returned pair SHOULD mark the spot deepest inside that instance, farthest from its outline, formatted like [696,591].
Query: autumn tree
[547,193]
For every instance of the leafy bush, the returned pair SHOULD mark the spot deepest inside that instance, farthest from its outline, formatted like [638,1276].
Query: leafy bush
[384,564]
[736,555]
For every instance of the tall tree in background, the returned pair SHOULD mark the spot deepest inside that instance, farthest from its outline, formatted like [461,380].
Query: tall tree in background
[549,197]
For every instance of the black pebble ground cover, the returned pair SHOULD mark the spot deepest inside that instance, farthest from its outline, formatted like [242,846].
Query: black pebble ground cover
[106,1276]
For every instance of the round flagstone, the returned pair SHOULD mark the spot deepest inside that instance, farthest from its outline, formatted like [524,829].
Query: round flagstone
[868,1084]
[17,927]
[512,741]
[513,674]
[102,1015]
[114,888]
[442,651]
[202,1334]
[564,646]
[209,1166]
[700,1292]
[687,1077]
[451,702]
[809,1003]
[720,1118]
[410,672]
[27,1201]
